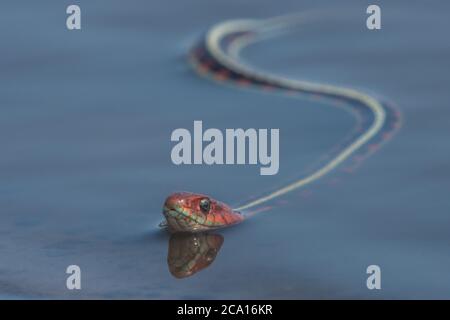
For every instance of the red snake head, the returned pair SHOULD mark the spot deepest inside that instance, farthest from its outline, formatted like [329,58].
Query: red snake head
[191,212]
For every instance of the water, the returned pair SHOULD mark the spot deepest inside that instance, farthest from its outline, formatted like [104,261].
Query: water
[85,124]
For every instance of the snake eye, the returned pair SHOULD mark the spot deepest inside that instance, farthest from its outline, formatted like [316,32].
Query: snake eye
[205,205]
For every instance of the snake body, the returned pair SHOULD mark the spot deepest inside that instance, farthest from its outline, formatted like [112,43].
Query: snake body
[217,56]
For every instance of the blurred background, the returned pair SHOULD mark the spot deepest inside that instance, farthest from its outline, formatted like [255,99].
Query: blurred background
[85,124]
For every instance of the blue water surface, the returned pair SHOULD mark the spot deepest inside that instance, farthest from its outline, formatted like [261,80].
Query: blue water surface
[85,124]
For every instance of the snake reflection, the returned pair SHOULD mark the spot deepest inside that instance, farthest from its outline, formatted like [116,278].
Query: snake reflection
[190,253]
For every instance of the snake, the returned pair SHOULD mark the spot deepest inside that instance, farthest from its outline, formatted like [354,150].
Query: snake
[216,57]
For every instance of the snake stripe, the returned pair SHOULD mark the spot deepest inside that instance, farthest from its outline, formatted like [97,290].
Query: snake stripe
[217,56]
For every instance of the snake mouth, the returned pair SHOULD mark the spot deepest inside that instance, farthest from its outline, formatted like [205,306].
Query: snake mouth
[180,221]
[173,212]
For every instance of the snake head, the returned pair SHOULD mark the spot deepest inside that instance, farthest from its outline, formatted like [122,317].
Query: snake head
[192,212]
